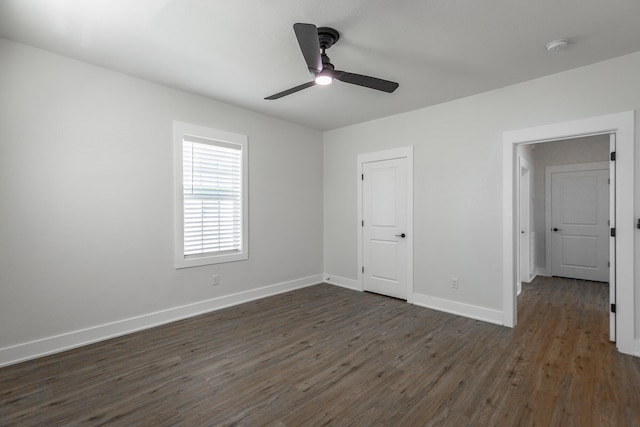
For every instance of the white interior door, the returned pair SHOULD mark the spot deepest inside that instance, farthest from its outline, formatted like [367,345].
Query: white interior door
[579,226]
[525,224]
[384,227]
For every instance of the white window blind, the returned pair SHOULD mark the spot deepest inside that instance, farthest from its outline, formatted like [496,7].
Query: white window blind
[212,195]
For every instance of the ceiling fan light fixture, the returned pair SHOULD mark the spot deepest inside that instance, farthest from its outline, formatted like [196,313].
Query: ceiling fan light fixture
[323,79]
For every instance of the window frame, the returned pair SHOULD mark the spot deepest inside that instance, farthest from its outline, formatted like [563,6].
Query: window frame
[180,131]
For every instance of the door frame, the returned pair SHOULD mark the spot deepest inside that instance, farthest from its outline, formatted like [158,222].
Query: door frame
[623,126]
[573,167]
[396,153]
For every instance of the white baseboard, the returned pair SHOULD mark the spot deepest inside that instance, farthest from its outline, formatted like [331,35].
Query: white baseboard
[459,308]
[342,282]
[631,348]
[58,343]
[448,306]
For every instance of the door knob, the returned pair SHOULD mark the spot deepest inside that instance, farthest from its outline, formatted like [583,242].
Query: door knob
[556,229]
[401,235]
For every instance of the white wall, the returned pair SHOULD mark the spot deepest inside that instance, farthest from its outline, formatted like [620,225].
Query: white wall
[86,214]
[458,174]
[578,150]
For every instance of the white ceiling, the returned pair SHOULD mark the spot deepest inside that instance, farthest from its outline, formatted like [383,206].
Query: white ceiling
[239,51]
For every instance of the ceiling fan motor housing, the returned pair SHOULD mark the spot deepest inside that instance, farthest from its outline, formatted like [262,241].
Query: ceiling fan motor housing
[327,37]
[326,62]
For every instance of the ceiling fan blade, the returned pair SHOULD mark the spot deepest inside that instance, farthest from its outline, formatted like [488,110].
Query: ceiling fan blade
[366,81]
[307,35]
[290,91]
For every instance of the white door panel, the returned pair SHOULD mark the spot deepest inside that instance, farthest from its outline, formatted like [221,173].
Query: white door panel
[386,252]
[383,195]
[384,209]
[580,251]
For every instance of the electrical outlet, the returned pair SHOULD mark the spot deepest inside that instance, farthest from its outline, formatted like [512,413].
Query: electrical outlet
[215,280]
[455,283]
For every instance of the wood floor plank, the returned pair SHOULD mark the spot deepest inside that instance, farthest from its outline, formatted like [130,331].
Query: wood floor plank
[329,356]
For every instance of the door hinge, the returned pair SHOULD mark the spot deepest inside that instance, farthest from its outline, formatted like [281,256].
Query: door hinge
[613,156]
[613,308]
[363,177]
[613,232]
[363,268]
[609,264]
[363,223]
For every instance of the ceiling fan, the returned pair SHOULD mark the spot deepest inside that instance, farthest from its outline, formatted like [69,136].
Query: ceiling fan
[314,42]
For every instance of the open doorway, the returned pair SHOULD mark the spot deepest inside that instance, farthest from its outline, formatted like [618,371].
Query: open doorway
[564,211]
[558,159]
[621,126]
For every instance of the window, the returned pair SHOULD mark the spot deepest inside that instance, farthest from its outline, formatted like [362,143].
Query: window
[211,196]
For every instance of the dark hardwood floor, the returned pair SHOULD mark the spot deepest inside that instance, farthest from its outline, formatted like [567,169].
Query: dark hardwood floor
[329,356]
